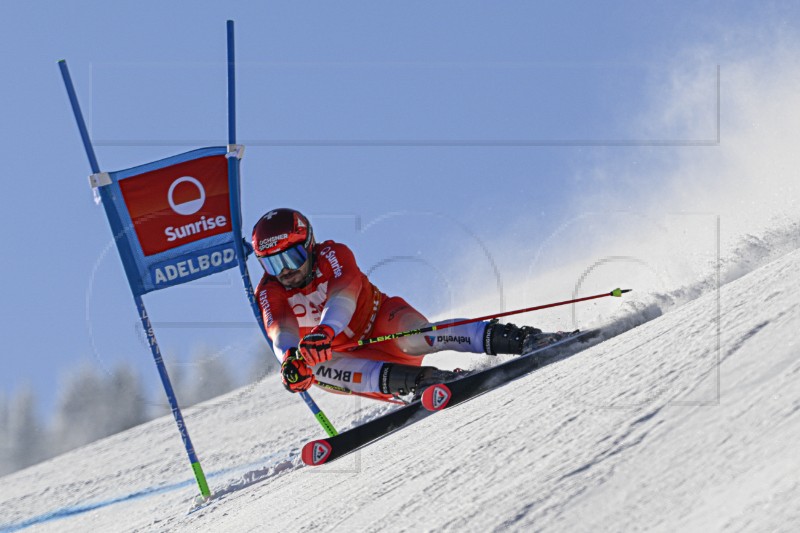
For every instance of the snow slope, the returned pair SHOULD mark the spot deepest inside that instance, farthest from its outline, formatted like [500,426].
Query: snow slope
[686,422]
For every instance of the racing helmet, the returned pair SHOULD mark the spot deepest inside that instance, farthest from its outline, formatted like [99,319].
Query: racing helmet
[282,238]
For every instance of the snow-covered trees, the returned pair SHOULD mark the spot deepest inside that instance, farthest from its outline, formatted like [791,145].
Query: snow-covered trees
[264,362]
[93,405]
[206,375]
[94,402]
[24,440]
[210,377]
[5,450]
[126,399]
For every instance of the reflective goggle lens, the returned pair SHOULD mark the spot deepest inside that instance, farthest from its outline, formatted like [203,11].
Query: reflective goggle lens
[293,258]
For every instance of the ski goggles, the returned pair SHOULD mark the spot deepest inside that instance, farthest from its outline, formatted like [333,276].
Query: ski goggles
[293,258]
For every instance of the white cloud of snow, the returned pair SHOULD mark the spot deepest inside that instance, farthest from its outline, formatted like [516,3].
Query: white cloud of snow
[663,219]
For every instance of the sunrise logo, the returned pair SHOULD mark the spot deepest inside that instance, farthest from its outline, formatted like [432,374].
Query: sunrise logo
[189,201]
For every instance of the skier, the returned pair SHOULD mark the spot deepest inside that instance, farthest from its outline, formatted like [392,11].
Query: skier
[314,297]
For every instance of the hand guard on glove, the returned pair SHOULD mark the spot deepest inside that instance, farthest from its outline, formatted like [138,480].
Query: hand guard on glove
[315,348]
[296,375]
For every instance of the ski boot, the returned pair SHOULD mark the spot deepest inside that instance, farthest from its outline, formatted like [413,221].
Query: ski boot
[508,338]
[401,380]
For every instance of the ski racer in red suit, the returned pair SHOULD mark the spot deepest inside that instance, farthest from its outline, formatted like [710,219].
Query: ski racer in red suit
[313,298]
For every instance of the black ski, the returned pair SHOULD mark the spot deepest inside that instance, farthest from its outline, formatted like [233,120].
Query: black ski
[322,451]
[441,395]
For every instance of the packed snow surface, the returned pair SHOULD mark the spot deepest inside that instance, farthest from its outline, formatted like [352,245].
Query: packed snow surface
[685,417]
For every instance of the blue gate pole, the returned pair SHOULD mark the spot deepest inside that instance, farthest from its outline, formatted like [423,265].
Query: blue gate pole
[236,224]
[173,400]
[148,328]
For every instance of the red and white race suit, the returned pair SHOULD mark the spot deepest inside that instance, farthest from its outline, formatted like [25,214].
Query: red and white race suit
[342,297]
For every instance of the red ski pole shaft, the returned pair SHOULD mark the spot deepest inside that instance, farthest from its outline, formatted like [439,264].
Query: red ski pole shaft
[616,292]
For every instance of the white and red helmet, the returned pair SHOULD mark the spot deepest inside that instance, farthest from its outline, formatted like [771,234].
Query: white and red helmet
[282,238]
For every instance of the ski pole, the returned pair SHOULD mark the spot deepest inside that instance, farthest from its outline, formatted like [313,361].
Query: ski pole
[616,292]
[344,390]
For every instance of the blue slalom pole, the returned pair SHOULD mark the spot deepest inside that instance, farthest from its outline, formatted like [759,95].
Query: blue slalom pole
[236,222]
[231,86]
[76,110]
[148,328]
[173,400]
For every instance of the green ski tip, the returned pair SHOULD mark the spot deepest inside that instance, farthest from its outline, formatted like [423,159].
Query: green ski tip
[619,292]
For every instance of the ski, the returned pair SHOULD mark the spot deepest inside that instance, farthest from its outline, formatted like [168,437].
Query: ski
[441,395]
[318,452]
[322,451]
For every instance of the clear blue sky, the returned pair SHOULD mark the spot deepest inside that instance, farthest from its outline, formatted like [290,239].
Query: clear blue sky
[151,79]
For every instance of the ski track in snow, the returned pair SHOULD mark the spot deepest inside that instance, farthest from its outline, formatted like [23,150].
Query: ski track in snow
[684,417]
